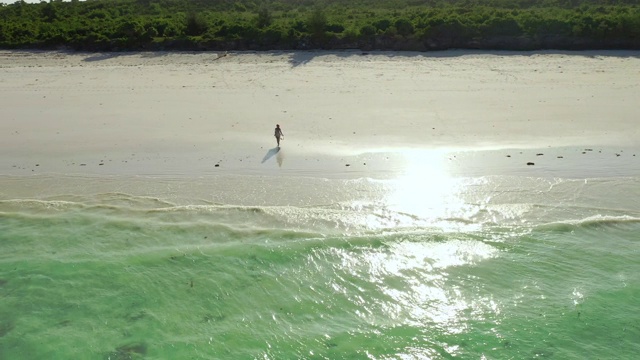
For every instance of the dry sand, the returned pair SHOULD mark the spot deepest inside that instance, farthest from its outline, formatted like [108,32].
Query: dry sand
[184,113]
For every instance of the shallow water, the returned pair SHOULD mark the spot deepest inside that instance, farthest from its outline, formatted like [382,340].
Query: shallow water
[502,267]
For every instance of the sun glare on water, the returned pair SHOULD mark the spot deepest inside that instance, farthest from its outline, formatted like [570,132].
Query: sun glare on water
[426,191]
[412,270]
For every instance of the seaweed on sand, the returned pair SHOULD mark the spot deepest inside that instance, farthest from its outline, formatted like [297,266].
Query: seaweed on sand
[128,352]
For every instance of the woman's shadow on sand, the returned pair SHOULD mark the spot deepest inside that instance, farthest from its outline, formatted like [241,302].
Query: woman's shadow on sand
[271,153]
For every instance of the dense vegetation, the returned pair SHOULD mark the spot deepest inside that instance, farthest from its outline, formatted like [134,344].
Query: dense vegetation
[328,24]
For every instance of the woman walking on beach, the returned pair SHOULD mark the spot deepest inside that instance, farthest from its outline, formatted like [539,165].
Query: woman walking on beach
[278,134]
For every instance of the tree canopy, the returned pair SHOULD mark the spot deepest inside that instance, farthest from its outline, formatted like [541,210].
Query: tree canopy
[112,25]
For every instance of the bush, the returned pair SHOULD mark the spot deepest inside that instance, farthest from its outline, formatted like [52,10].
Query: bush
[317,22]
[196,25]
[404,27]
[264,18]
[368,30]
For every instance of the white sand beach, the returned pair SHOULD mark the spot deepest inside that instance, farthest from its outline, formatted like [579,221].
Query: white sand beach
[214,113]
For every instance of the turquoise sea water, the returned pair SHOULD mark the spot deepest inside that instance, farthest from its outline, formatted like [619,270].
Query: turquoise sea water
[484,267]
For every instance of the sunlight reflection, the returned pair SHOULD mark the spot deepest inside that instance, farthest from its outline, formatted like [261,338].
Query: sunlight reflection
[426,190]
[577,297]
[422,267]
[414,275]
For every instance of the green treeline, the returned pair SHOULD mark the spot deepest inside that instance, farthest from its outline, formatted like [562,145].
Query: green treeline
[113,25]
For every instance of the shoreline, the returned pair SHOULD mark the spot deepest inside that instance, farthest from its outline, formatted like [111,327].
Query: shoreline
[569,161]
[327,180]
